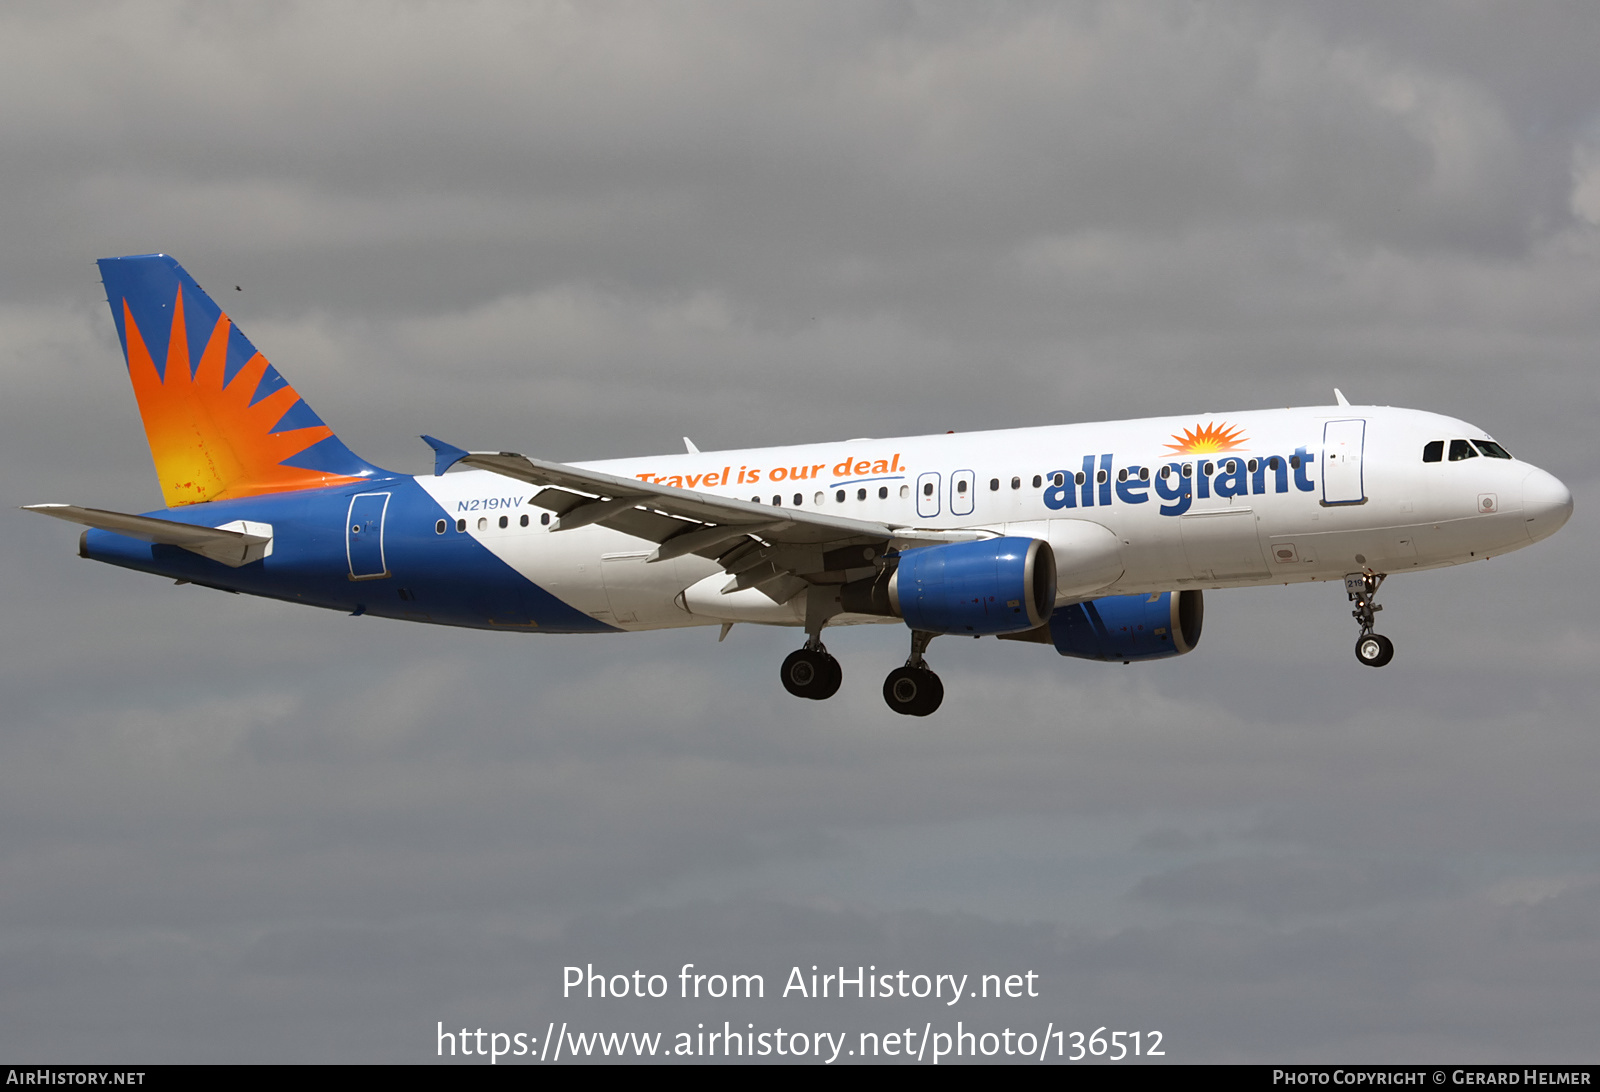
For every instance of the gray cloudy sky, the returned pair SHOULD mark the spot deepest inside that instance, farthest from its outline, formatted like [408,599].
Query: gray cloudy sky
[235,830]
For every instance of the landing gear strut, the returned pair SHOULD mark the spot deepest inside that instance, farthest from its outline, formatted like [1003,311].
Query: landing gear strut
[914,690]
[809,672]
[1372,649]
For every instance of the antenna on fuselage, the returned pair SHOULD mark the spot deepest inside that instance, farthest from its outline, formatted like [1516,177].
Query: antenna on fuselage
[1339,394]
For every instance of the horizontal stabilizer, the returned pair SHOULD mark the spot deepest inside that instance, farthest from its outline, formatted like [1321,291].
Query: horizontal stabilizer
[231,548]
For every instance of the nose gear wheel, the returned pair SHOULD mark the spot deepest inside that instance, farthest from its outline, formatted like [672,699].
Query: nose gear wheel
[1374,649]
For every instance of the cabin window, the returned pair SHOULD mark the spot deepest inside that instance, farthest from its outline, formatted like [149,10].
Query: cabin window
[1166,472]
[1273,463]
[544,519]
[1251,466]
[438,528]
[1016,483]
[798,499]
[1077,479]
[839,496]
[461,525]
[1206,468]
[1461,449]
[927,489]
[777,502]
[1294,462]
[1144,473]
[1492,449]
[994,485]
[483,523]
[818,497]
[1037,481]
[861,494]
[505,521]
[961,488]
[524,520]
[1188,470]
[1122,475]
[1100,477]
[905,491]
[1433,451]
[1233,466]
[883,492]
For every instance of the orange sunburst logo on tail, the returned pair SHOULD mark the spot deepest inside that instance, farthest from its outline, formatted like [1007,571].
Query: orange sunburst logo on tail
[1207,439]
[208,441]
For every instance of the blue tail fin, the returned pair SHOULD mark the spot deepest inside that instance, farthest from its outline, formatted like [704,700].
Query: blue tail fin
[221,421]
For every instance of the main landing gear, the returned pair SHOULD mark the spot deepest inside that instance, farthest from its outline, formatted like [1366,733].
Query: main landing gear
[811,672]
[1372,649]
[914,690]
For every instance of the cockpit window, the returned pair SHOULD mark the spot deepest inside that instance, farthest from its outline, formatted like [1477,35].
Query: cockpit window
[1492,449]
[1433,451]
[1461,449]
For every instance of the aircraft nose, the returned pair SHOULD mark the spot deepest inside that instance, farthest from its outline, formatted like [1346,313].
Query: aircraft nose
[1546,504]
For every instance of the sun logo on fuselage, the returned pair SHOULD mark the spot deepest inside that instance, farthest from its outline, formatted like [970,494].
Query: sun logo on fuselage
[1207,439]
[210,436]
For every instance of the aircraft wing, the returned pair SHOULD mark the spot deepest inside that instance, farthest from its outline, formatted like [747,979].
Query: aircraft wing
[232,548]
[778,550]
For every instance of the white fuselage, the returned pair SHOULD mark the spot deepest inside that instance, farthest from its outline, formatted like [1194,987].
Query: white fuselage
[1210,501]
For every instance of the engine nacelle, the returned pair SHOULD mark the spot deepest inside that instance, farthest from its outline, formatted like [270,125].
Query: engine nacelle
[997,585]
[1129,627]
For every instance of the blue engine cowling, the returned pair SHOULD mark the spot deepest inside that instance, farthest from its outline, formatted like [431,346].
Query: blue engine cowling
[998,585]
[1129,627]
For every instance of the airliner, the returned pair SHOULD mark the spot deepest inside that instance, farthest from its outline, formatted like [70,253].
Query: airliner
[1096,539]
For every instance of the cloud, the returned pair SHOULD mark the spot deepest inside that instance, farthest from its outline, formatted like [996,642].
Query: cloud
[1300,885]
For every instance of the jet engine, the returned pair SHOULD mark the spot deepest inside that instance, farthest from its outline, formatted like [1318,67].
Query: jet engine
[997,585]
[1129,627]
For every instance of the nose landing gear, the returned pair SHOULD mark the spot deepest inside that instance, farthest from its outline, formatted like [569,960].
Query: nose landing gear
[1372,649]
[914,690]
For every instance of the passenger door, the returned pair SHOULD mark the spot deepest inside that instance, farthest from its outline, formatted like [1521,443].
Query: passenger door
[1342,443]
